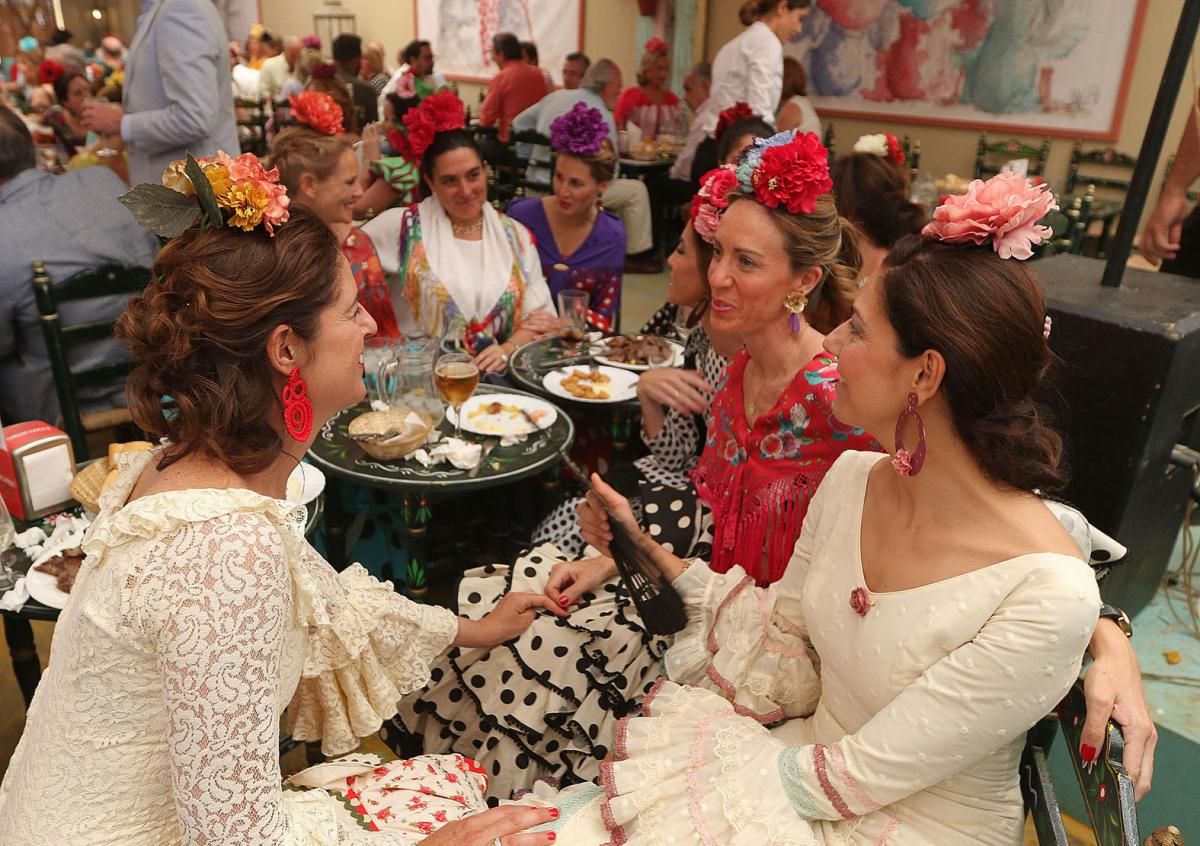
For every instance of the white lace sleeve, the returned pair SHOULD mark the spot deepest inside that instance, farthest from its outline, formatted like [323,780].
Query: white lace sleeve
[216,606]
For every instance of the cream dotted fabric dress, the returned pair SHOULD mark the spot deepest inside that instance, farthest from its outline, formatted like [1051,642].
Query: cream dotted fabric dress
[903,727]
[197,618]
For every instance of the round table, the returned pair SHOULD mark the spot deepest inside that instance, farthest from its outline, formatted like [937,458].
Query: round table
[344,462]
[525,368]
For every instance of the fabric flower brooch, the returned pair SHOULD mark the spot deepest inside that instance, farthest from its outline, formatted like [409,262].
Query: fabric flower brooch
[882,144]
[439,112]
[580,131]
[318,111]
[212,192]
[789,170]
[1005,210]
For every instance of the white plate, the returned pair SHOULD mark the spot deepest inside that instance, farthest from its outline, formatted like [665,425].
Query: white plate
[305,484]
[676,359]
[505,424]
[44,588]
[622,387]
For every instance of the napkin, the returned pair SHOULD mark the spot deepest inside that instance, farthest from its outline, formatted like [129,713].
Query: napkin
[462,454]
[16,597]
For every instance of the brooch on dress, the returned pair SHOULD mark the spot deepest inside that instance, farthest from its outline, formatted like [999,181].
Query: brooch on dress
[860,601]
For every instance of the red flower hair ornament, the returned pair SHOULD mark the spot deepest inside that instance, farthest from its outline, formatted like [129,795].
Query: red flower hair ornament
[439,112]
[318,111]
[730,116]
[712,200]
[882,144]
[789,170]
[656,45]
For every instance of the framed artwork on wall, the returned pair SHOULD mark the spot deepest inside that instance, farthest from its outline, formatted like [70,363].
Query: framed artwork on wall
[461,32]
[1050,67]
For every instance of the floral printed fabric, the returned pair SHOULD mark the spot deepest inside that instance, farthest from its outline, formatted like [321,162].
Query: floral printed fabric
[759,476]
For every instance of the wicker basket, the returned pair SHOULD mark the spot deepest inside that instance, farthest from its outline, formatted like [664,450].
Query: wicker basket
[374,422]
[88,484]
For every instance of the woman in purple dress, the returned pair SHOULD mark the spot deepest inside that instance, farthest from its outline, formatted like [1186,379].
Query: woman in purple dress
[581,246]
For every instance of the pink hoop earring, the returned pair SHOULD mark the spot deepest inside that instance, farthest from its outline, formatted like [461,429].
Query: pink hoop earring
[904,462]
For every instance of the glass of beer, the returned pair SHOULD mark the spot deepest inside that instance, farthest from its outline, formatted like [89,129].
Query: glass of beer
[572,307]
[456,377]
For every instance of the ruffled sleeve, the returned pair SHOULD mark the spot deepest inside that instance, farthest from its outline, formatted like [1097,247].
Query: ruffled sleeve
[747,643]
[367,647]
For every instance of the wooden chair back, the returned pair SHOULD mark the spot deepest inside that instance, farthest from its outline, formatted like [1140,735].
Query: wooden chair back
[104,281]
[1107,160]
[252,117]
[987,154]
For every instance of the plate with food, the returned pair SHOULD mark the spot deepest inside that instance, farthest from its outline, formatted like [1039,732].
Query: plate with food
[601,384]
[639,352]
[50,581]
[503,415]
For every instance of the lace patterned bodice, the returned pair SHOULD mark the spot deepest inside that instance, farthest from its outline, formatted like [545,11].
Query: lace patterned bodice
[196,619]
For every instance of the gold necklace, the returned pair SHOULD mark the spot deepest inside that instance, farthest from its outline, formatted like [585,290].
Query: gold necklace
[467,228]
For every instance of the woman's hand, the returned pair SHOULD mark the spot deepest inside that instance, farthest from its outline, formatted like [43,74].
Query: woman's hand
[372,143]
[569,580]
[493,359]
[513,614]
[542,323]
[601,504]
[686,391]
[1113,688]
[497,824]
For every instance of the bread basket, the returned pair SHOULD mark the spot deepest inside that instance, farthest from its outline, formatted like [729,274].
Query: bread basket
[88,484]
[378,422]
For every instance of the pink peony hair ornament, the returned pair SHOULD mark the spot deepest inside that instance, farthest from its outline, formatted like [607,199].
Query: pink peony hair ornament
[1005,210]
[712,200]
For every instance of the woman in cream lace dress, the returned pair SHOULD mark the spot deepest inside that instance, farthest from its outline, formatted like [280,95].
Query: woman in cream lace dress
[933,611]
[201,613]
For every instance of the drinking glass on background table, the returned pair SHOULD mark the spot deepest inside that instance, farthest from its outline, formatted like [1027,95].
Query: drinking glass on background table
[7,534]
[377,352]
[456,377]
[572,306]
[682,326]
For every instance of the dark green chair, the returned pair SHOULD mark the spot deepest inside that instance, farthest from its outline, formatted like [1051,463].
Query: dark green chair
[541,156]
[252,117]
[988,156]
[1106,786]
[108,280]
[830,141]
[912,156]
[1108,169]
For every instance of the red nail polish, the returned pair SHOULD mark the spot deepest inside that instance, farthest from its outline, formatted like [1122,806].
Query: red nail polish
[1087,752]
[563,601]
[551,837]
[553,816]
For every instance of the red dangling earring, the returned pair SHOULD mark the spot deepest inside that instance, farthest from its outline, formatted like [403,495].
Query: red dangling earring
[904,462]
[297,408]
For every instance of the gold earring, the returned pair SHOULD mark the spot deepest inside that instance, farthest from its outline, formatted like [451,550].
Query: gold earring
[795,302]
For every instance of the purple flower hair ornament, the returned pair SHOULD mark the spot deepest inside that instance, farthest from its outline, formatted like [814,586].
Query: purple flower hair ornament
[580,131]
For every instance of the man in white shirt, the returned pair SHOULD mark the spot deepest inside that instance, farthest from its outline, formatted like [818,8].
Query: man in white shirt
[697,86]
[276,69]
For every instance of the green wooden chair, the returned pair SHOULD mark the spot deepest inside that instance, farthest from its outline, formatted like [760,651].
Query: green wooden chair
[108,280]
[252,117]
[830,142]
[540,156]
[991,156]
[1106,786]
[912,156]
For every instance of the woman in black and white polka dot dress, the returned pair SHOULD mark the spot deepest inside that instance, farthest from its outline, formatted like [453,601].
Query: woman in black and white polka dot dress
[545,704]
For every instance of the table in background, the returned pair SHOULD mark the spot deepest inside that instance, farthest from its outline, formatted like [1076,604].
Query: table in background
[344,462]
[655,173]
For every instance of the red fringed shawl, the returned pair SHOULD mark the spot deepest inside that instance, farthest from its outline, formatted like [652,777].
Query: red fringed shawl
[758,482]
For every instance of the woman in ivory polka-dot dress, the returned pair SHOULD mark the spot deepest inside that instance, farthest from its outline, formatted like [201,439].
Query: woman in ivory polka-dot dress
[546,704]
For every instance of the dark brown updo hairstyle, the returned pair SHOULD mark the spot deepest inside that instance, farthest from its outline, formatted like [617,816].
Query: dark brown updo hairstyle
[603,165]
[199,336]
[63,84]
[873,192]
[445,142]
[826,240]
[752,10]
[986,317]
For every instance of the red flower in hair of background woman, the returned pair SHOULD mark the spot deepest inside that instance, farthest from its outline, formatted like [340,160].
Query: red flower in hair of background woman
[793,175]
[324,70]
[49,71]
[736,112]
[318,111]
[895,152]
[711,200]
[656,45]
